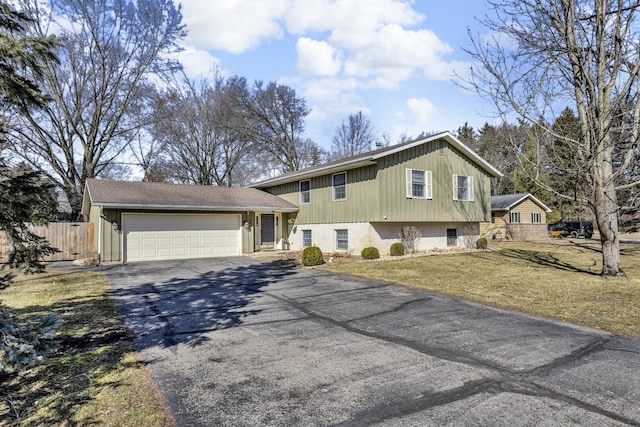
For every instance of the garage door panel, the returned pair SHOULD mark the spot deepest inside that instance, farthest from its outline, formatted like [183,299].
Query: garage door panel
[178,241]
[175,236]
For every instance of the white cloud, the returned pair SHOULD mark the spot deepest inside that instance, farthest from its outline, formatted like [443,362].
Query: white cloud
[422,110]
[317,58]
[347,19]
[395,54]
[231,25]
[328,89]
[197,62]
[343,48]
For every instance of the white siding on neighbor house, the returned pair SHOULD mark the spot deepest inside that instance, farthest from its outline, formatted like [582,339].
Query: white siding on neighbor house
[381,235]
[179,236]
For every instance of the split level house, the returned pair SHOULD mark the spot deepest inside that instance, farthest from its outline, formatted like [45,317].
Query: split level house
[435,184]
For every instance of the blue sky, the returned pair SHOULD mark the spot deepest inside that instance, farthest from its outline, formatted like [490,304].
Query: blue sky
[392,59]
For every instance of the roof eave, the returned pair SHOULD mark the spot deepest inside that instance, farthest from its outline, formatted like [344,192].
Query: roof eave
[301,175]
[539,203]
[194,207]
[520,200]
[373,159]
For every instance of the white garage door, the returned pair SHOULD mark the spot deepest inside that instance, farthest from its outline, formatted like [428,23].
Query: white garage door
[178,236]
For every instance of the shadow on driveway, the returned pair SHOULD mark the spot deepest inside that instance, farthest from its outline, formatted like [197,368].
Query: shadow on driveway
[164,309]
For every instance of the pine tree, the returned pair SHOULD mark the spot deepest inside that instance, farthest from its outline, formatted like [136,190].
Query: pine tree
[24,195]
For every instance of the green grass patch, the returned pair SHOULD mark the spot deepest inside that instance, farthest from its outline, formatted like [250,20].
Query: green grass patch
[558,279]
[96,376]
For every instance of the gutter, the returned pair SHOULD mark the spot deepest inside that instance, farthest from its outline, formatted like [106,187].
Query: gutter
[196,208]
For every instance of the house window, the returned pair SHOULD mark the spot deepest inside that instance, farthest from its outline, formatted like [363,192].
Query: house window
[306,238]
[452,237]
[342,240]
[305,192]
[536,217]
[463,188]
[340,186]
[418,184]
[514,217]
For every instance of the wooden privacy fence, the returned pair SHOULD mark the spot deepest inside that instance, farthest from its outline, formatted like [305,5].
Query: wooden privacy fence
[74,240]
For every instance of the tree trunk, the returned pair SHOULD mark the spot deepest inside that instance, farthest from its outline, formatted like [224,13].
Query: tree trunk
[606,212]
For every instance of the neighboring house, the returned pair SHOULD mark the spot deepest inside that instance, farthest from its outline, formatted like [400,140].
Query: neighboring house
[436,184]
[136,221]
[516,217]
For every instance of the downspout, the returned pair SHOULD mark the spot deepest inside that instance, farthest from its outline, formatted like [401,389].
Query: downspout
[100,237]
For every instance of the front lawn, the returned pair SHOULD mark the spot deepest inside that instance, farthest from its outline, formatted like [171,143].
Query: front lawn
[96,377]
[557,279]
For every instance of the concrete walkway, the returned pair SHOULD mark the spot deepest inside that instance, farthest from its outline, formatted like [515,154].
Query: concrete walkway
[247,342]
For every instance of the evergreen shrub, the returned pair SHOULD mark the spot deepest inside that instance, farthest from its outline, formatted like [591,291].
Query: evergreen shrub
[370,253]
[312,256]
[397,249]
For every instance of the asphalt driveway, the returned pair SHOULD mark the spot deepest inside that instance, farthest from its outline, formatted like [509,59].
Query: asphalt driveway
[244,342]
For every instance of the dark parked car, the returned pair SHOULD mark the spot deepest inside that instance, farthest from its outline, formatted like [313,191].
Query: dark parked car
[573,229]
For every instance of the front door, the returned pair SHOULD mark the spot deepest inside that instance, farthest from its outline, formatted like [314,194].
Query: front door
[267,231]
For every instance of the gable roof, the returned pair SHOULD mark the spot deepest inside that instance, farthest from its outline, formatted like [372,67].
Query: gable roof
[160,195]
[507,201]
[371,158]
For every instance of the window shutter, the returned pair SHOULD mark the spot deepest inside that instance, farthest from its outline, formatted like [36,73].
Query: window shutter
[409,184]
[455,187]
[427,178]
[470,178]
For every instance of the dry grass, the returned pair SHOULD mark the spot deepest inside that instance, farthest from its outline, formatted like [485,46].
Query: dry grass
[556,279]
[96,377]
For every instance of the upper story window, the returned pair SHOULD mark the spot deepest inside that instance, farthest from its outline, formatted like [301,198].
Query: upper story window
[419,184]
[514,217]
[305,192]
[536,217]
[340,186]
[463,188]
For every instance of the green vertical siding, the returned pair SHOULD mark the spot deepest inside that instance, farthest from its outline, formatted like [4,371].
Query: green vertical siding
[361,204]
[111,238]
[443,161]
[248,242]
[378,191]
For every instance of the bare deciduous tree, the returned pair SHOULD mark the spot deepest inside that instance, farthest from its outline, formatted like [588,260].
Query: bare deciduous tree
[108,49]
[542,53]
[353,136]
[200,126]
[276,123]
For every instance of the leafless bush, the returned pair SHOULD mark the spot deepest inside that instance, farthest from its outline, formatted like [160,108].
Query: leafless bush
[469,236]
[410,237]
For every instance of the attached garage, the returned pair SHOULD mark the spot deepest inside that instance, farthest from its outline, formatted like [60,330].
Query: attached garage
[152,221]
[153,237]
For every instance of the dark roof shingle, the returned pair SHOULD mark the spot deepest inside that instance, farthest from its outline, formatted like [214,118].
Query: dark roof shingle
[505,202]
[164,195]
